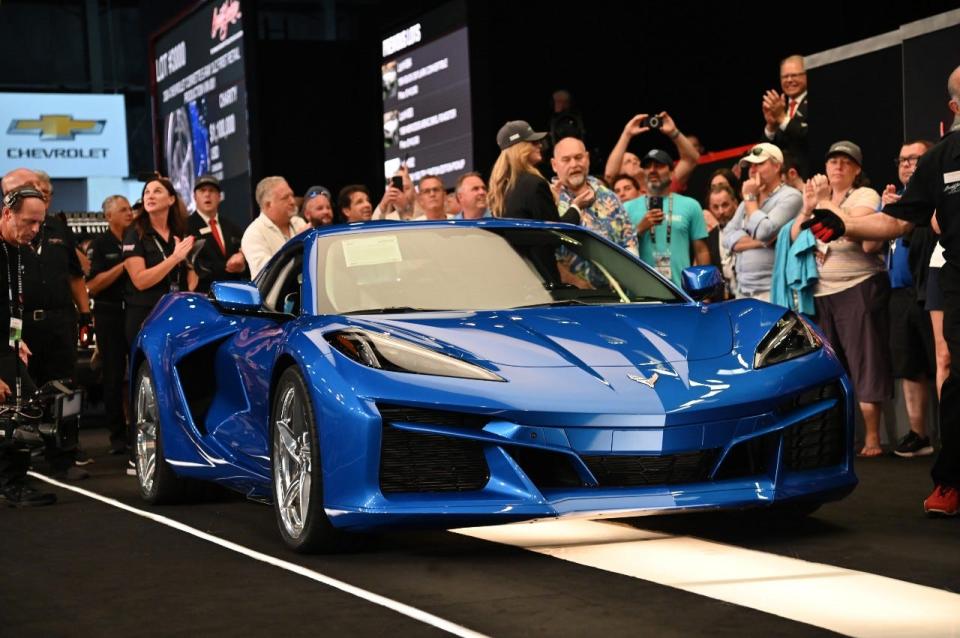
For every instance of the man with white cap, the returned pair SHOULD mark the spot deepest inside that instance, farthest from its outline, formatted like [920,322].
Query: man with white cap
[768,204]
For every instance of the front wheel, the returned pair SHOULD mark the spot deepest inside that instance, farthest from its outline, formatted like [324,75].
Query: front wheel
[158,482]
[297,474]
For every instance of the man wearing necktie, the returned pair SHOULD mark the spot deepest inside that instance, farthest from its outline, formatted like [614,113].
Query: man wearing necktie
[785,113]
[220,258]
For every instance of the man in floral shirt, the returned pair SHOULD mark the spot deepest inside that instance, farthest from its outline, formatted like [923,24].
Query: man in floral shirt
[600,209]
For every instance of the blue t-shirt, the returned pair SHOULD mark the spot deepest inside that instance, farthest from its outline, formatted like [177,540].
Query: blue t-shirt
[683,222]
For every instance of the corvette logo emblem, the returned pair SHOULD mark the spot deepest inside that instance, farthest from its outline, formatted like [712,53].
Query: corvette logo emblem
[647,382]
[56,127]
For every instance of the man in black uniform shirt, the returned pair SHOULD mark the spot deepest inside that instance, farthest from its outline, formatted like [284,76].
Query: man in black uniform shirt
[106,283]
[220,258]
[22,214]
[934,187]
[52,285]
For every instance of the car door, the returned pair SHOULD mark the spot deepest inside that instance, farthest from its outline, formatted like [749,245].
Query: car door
[247,359]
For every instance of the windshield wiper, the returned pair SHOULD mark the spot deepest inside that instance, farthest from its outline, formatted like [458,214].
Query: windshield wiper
[593,300]
[389,310]
[558,302]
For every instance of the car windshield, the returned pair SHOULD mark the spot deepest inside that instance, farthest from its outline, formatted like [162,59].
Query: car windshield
[446,267]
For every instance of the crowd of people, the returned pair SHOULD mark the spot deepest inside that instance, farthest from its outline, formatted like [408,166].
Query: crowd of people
[765,222]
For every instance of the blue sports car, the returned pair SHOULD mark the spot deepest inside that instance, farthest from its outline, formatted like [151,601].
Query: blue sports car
[468,373]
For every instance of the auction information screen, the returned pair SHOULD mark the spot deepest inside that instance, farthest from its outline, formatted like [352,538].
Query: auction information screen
[427,123]
[200,104]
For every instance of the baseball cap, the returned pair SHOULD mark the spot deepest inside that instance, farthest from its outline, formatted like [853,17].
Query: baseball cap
[316,191]
[658,156]
[761,153]
[848,148]
[516,131]
[207,180]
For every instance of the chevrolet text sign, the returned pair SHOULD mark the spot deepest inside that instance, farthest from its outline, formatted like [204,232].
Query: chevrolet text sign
[64,134]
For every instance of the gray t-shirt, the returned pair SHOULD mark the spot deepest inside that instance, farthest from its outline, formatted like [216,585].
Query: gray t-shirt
[755,266]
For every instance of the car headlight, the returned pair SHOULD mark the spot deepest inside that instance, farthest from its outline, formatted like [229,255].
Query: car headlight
[384,352]
[790,338]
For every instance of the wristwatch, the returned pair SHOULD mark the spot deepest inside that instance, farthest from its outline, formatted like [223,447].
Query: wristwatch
[749,198]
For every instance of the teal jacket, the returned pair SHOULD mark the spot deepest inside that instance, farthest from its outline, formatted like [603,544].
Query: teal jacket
[795,271]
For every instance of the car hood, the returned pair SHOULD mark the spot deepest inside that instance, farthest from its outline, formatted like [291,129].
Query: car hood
[594,336]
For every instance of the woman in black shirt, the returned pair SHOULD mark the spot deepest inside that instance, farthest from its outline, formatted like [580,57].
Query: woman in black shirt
[155,250]
[517,189]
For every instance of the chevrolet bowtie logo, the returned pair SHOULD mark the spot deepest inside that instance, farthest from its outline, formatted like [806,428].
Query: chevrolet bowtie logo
[647,382]
[56,127]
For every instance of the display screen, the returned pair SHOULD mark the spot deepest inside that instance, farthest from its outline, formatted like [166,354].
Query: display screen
[427,123]
[200,104]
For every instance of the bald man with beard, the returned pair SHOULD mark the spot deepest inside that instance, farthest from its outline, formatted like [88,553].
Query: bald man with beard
[599,207]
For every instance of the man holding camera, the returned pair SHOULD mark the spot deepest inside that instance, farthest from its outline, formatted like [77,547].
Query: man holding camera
[668,225]
[22,214]
[55,305]
[639,124]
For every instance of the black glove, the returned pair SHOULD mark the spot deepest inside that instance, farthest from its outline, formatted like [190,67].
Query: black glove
[85,329]
[825,225]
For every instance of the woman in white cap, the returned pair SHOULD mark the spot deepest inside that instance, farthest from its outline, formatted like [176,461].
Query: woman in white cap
[853,288]
[517,189]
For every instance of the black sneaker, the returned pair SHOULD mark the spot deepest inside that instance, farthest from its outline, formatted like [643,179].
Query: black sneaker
[21,494]
[72,473]
[913,445]
[82,458]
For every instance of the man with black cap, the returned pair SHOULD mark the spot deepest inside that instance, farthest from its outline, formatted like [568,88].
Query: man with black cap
[220,258]
[668,225]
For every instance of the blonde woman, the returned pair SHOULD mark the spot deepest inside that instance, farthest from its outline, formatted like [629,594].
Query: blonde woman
[517,189]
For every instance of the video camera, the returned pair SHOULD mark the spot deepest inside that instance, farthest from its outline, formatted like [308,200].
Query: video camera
[51,415]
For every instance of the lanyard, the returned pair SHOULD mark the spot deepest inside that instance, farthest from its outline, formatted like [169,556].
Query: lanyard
[669,215]
[15,311]
[174,284]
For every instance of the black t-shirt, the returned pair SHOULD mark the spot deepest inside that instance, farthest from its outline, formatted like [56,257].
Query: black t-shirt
[106,252]
[935,186]
[48,268]
[8,272]
[531,198]
[154,249]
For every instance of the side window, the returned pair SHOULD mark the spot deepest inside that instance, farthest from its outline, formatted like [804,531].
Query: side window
[280,288]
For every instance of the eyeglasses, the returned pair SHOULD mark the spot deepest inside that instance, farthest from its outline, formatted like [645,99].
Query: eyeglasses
[430,191]
[906,161]
[313,194]
[792,76]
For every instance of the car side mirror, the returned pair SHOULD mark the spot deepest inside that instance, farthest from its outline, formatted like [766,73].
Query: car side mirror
[235,295]
[701,282]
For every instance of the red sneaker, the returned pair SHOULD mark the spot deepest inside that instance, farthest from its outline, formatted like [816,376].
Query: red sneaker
[944,500]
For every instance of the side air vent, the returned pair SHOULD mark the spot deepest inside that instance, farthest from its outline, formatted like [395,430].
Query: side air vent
[414,462]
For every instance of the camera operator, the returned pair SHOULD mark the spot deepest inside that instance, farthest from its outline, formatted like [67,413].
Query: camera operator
[639,124]
[20,220]
[53,293]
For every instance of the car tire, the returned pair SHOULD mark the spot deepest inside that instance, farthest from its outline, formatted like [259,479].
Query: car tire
[158,483]
[296,469]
